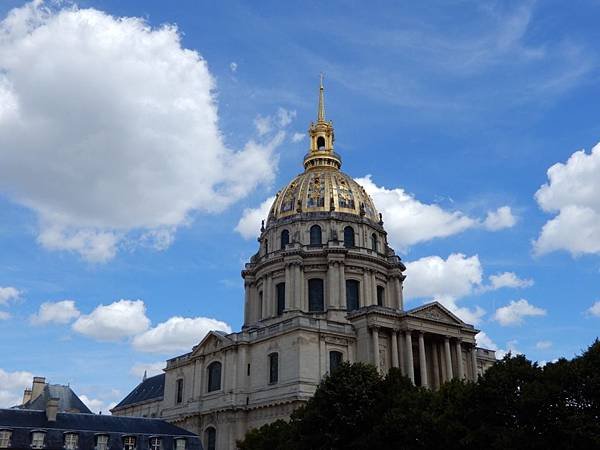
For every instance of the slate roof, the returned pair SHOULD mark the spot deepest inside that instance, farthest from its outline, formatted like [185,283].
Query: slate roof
[67,400]
[151,388]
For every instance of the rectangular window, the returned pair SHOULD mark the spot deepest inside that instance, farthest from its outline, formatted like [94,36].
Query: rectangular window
[316,301]
[352,301]
[335,359]
[180,444]
[37,439]
[129,443]
[71,441]
[102,442]
[179,388]
[155,444]
[5,436]
[280,298]
[380,295]
[273,368]
[248,370]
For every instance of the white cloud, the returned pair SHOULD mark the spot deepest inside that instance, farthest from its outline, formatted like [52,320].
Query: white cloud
[151,369]
[572,191]
[297,137]
[508,280]
[285,117]
[4,315]
[177,334]
[263,125]
[446,281]
[594,310]
[55,312]
[543,345]
[249,224]
[511,347]
[11,387]
[97,405]
[109,129]
[408,221]
[114,322]
[7,294]
[266,124]
[499,219]
[515,312]
[484,341]
[233,66]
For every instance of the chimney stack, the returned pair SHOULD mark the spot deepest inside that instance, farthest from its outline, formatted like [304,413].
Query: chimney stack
[26,395]
[52,409]
[38,387]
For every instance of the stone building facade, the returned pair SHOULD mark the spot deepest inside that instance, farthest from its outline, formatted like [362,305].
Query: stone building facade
[324,287]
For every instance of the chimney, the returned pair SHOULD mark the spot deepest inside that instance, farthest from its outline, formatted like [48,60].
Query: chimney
[52,409]
[26,395]
[38,387]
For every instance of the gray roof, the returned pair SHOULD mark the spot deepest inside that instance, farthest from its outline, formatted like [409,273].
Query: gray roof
[151,388]
[67,400]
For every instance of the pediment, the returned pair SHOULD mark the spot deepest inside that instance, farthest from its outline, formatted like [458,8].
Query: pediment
[213,341]
[435,311]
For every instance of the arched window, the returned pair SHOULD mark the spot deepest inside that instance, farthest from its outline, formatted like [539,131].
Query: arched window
[285,239]
[335,360]
[315,295]
[280,288]
[320,142]
[380,295]
[315,235]
[210,437]
[214,376]
[348,236]
[374,242]
[352,300]
[273,368]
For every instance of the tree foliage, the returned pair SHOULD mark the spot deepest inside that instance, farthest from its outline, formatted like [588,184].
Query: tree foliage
[516,404]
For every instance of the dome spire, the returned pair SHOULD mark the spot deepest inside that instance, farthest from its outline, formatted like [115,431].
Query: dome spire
[321,113]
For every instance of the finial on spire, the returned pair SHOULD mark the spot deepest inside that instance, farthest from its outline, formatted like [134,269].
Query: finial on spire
[321,113]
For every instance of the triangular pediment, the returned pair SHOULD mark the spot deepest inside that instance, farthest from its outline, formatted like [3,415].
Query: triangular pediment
[435,311]
[213,341]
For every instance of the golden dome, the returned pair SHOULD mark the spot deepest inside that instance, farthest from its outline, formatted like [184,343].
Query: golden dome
[322,187]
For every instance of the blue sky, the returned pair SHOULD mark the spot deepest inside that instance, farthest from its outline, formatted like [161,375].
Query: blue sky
[127,162]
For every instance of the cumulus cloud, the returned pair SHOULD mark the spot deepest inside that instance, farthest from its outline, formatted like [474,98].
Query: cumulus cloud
[508,280]
[499,219]
[484,341]
[177,334]
[446,280]
[55,312]
[8,293]
[114,322]
[96,405]
[109,129]
[249,224]
[516,311]
[11,387]
[594,310]
[572,192]
[150,369]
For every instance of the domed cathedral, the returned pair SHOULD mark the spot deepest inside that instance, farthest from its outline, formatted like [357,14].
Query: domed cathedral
[324,287]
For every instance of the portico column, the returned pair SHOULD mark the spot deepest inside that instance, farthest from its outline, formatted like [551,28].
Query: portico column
[342,278]
[375,336]
[401,357]
[436,365]
[394,348]
[459,360]
[400,300]
[373,288]
[448,358]
[410,367]
[423,360]
[268,312]
[366,289]
[474,362]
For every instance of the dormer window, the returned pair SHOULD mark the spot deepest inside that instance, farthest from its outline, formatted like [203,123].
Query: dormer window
[37,439]
[155,443]
[102,442]
[129,443]
[180,444]
[71,441]
[5,436]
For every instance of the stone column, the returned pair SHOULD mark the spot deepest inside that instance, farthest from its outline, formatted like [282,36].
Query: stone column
[436,365]
[448,357]
[399,294]
[366,289]
[342,280]
[443,374]
[394,348]
[247,303]
[270,311]
[459,361]
[423,360]
[474,362]
[332,286]
[410,367]
[373,288]
[375,336]
[289,303]
[401,358]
